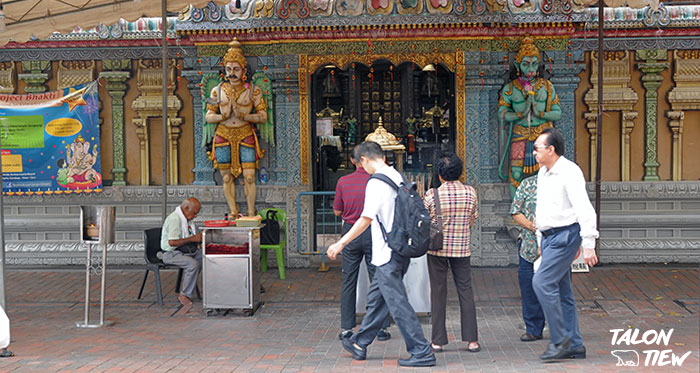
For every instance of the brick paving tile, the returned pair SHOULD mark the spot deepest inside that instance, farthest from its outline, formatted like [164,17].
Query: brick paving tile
[296,329]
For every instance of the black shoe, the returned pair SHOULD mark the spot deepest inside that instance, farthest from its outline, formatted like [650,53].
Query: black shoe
[383,335]
[346,333]
[527,337]
[358,352]
[427,360]
[577,353]
[556,352]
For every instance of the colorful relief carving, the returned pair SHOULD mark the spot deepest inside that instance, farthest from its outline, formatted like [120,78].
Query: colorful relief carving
[523,7]
[264,8]
[284,8]
[438,6]
[527,105]
[459,7]
[349,7]
[383,7]
[321,7]
[409,6]
[233,107]
[242,9]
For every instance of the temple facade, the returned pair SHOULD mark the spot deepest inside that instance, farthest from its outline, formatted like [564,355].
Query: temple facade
[431,71]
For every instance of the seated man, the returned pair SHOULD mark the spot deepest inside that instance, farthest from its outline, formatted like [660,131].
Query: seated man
[179,242]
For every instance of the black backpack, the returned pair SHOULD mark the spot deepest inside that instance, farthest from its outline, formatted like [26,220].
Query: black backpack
[270,232]
[410,232]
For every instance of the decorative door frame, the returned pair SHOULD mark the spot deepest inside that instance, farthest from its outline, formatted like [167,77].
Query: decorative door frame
[309,63]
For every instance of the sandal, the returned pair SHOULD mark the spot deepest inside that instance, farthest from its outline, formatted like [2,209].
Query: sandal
[474,349]
[435,347]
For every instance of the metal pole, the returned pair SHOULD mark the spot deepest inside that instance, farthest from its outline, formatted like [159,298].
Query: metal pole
[87,285]
[599,122]
[164,34]
[102,288]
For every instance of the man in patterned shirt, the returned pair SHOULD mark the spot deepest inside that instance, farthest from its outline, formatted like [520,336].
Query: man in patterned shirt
[523,211]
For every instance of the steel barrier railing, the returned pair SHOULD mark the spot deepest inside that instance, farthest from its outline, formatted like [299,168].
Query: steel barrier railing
[326,226]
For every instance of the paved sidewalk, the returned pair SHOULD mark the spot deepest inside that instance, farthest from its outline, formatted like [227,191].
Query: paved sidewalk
[296,329]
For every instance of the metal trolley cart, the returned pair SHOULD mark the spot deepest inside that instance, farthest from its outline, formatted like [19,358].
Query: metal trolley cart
[230,269]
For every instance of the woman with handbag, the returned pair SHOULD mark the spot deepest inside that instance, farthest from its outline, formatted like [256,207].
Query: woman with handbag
[453,209]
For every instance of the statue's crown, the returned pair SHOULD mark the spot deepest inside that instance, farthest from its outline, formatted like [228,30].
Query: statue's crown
[235,53]
[527,48]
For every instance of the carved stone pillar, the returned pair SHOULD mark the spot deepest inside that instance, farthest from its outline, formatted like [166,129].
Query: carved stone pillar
[628,118]
[684,96]
[484,80]
[651,81]
[565,80]
[35,73]
[676,125]
[194,70]
[7,77]
[116,73]
[144,147]
[149,104]
[617,96]
[592,127]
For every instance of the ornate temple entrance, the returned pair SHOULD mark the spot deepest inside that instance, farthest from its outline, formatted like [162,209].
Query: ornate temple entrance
[414,101]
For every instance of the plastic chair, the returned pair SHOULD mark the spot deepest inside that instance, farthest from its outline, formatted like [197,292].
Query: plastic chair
[151,243]
[281,217]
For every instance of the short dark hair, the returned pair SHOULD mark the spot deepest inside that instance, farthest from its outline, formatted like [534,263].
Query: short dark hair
[555,139]
[60,163]
[371,150]
[449,166]
[355,155]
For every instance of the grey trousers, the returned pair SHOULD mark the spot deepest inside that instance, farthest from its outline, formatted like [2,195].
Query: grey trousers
[353,253]
[552,284]
[192,265]
[387,294]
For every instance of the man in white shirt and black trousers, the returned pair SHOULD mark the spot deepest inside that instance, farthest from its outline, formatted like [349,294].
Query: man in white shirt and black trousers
[566,221]
[387,293]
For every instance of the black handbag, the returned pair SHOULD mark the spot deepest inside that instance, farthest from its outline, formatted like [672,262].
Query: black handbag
[270,232]
[436,227]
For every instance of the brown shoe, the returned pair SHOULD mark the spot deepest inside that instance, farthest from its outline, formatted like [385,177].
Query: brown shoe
[184,300]
[527,337]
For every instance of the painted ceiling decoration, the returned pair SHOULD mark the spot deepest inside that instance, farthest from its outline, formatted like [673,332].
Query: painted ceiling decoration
[65,20]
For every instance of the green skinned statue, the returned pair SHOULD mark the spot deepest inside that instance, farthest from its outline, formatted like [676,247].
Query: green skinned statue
[527,105]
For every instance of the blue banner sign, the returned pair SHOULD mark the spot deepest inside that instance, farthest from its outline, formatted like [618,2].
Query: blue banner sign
[51,142]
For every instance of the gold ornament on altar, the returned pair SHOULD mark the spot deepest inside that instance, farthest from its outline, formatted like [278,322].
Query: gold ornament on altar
[435,112]
[384,138]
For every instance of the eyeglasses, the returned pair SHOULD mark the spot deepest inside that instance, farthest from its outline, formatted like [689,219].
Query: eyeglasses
[541,147]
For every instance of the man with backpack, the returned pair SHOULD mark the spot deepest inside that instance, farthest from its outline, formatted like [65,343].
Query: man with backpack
[387,293]
[348,203]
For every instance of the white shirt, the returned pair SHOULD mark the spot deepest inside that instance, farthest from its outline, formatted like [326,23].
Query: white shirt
[562,200]
[380,200]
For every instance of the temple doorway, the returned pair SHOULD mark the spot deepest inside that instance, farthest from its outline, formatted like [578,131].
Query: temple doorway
[414,103]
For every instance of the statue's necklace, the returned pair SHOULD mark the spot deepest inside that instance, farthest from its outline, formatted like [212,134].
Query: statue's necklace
[234,91]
